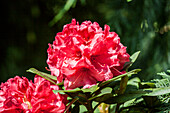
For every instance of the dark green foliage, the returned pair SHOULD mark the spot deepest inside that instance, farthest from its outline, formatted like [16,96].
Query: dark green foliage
[122,94]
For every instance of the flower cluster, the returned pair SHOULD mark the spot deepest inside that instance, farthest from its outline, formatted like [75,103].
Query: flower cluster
[83,54]
[18,95]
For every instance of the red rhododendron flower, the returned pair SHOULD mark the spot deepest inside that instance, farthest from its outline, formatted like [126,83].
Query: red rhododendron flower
[18,95]
[83,54]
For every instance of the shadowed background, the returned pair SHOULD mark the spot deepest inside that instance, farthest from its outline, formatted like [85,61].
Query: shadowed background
[28,26]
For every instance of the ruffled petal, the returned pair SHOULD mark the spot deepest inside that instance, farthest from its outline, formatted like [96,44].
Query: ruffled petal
[86,47]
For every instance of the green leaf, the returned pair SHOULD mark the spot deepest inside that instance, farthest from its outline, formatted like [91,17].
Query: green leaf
[49,77]
[168,71]
[134,56]
[95,107]
[129,0]
[164,75]
[68,106]
[92,89]
[132,60]
[82,109]
[135,71]
[67,6]
[67,91]
[134,82]
[143,85]
[158,91]
[104,91]
[102,98]
[61,83]
[76,108]
[35,71]
[125,97]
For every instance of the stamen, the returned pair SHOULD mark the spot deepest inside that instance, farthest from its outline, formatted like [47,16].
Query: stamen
[27,102]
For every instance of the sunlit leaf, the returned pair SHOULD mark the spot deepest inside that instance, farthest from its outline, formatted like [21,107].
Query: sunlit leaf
[129,0]
[168,71]
[134,56]
[134,82]
[69,91]
[92,89]
[104,91]
[76,108]
[73,101]
[158,91]
[143,85]
[132,60]
[82,109]
[44,75]
[135,71]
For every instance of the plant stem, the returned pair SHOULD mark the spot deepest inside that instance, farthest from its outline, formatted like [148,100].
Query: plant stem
[117,108]
[89,107]
[123,85]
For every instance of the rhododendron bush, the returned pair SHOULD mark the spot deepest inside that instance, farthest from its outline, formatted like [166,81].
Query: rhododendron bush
[89,67]
[83,54]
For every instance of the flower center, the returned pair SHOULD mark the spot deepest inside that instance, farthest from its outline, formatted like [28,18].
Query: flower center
[93,57]
[78,55]
[27,102]
[84,69]
[87,42]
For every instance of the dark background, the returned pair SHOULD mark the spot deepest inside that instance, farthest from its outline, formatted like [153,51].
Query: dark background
[27,26]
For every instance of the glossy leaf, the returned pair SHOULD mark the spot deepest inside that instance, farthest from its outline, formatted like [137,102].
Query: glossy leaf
[158,91]
[134,56]
[168,71]
[103,97]
[68,91]
[104,91]
[132,60]
[135,71]
[35,71]
[125,97]
[82,109]
[134,81]
[44,75]
[67,6]
[129,0]
[143,85]
[92,89]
